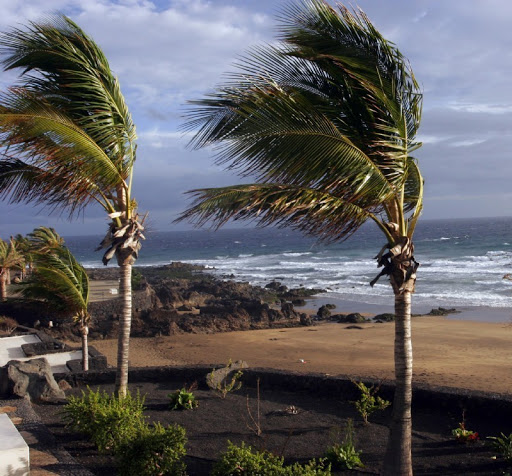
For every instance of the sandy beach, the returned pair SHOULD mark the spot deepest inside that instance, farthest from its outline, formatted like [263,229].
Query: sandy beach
[452,353]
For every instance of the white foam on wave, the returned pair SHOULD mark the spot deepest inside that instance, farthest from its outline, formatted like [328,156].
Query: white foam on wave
[442,238]
[468,280]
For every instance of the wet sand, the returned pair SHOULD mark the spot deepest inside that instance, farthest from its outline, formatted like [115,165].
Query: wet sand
[452,353]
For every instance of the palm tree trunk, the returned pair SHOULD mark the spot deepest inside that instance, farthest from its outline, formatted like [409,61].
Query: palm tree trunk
[398,459]
[125,323]
[3,286]
[85,348]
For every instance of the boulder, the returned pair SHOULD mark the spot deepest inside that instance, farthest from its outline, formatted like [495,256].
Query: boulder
[33,378]
[354,318]
[185,308]
[220,378]
[288,310]
[324,312]
[386,317]
[276,286]
[305,320]
[441,311]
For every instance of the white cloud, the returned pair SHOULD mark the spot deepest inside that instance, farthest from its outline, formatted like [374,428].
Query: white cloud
[482,108]
[169,51]
[467,143]
[432,139]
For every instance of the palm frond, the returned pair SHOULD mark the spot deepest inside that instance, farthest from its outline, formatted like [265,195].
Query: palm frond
[334,108]
[60,280]
[50,141]
[282,137]
[10,257]
[45,240]
[308,210]
[66,120]
[72,73]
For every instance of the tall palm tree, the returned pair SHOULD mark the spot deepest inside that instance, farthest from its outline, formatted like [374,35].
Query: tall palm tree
[60,280]
[69,141]
[10,258]
[325,121]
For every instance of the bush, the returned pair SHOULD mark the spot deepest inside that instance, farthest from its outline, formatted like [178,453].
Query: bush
[311,468]
[183,399]
[344,455]
[243,460]
[155,451]
[368,402]
[109,421]
[137,280]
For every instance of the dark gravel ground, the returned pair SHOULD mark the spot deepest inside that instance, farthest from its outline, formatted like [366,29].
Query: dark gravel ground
[297,437]
[52,457]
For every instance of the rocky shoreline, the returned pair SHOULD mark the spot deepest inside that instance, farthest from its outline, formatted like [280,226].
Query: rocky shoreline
[184,298]
[178,298]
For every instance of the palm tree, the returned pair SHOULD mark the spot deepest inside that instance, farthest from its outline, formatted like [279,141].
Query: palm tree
[24,247]
[10,257]
[69,141]
[61,281]
[325,121]
[45,240]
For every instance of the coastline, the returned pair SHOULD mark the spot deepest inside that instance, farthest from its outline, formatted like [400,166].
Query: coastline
[102,290]
[470,350]
[464,313]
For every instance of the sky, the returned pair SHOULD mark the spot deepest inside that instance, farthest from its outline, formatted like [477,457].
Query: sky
[167,52]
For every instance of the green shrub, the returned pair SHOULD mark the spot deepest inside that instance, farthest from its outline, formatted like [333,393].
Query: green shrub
[369,402]
[137,280]
[155,451]
[502,444]
[109,421]
[183,399]
[344,455]
[244,460]
[311,468]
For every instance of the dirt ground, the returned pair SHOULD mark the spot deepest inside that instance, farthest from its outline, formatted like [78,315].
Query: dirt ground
[451,353]
[317,423]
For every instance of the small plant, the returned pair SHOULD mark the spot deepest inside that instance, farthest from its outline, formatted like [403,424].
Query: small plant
[244,460]
[137,280]
[463,435]
[156,450]
[108,420]
[255,426]
[368,401]
[227,383]
[183,399]
[502,444]
[345,456]
[311,468]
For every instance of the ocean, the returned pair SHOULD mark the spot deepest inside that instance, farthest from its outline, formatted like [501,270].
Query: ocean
[462,262]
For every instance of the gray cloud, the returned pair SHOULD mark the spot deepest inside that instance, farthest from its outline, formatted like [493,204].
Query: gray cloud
[168,52]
